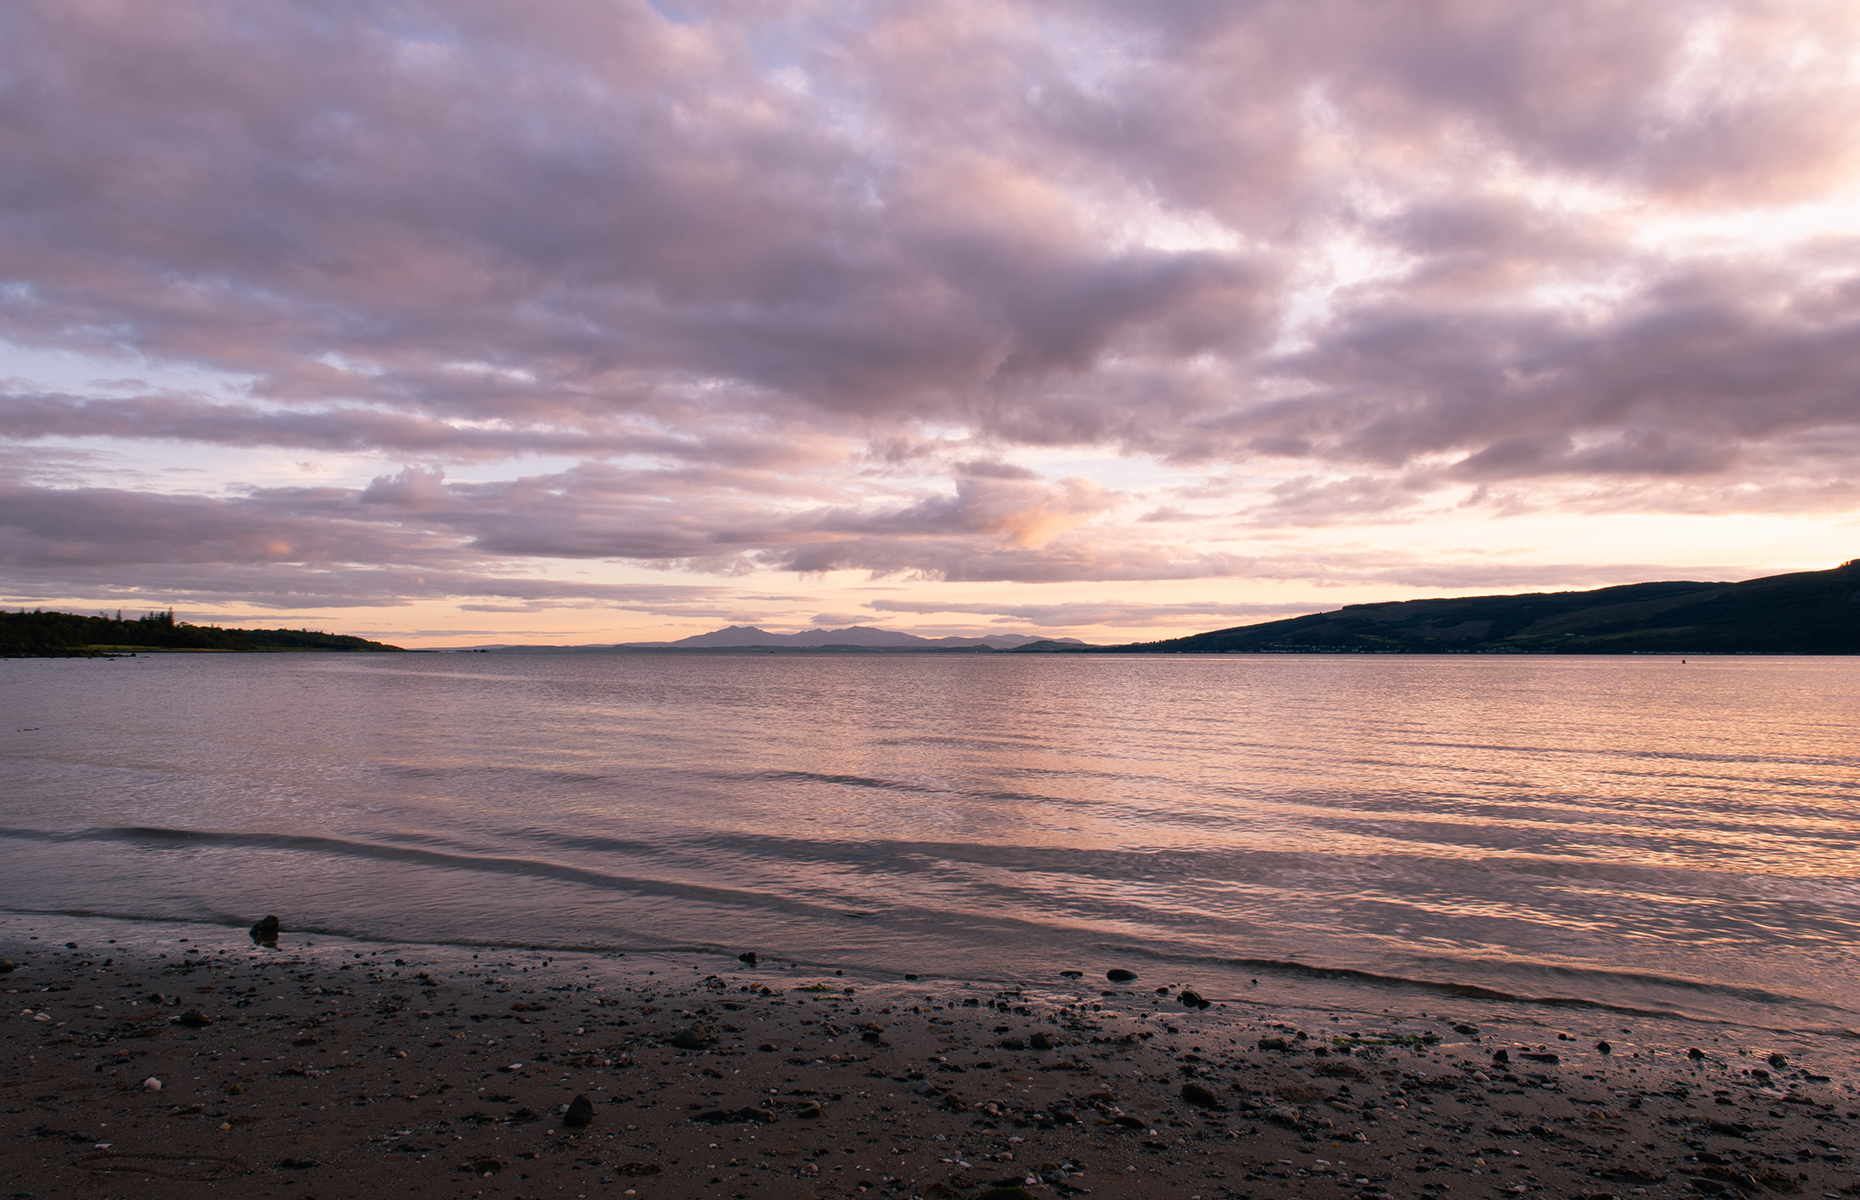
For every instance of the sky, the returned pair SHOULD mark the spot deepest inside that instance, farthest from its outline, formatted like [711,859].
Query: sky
[583,321]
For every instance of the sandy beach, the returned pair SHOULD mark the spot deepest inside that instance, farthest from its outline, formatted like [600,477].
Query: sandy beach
[181,1061]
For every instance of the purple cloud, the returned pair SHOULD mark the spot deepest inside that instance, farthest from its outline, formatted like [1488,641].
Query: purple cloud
[808,288]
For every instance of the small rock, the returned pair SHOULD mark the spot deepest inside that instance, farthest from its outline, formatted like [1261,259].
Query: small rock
[1119,975]
[809,1110]
[580,1112]
[1012,1043]
[193,1018]
[1604,1047]
[1284,1114]
[265,933]
[1040,1041]
[1192,999]
[151,1084]
[1066,974]
[1501,1056]
[304,1164]
[1695,1054]
[1778,1060]
[748,956]
[767,1047]
[6,965]
[1199,1096]
[691,1037]
[1468,1030]
[483,1166]
[1542,1058]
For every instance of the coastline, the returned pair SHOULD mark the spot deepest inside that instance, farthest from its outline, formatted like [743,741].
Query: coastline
[330,1067]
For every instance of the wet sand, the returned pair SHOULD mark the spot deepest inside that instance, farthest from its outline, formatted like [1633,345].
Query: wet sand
[328,1069]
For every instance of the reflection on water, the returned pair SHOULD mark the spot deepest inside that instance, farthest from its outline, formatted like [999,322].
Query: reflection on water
[1629,831]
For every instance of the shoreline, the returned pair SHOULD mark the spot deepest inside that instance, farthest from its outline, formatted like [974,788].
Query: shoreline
[328,1067]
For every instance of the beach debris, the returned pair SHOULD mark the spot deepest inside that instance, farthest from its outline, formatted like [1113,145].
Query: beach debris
[691,1037]
[265,933]
[748,956]
[580,1111]
[1199,1096]
[151,1084]
[1120,975]
[193,1018]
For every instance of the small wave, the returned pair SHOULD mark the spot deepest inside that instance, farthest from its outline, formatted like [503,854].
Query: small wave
[448,860]
[1475,991]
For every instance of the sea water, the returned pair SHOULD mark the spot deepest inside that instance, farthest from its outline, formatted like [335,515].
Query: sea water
[1641,834]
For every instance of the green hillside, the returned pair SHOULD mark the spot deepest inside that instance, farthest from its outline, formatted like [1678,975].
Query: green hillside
[1810,612]
[39,634]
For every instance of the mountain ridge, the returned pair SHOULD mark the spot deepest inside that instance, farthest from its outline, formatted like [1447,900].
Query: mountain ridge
[733,637]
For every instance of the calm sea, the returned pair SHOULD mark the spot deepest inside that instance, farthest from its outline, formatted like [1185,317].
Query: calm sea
[1639,833]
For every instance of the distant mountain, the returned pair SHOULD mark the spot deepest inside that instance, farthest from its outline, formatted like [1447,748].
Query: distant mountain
[747,636]
[1809,612]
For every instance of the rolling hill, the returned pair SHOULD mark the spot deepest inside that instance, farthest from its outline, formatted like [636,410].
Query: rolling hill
[1809,612]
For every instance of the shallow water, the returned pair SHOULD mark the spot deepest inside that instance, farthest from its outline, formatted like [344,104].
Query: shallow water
[1631,832]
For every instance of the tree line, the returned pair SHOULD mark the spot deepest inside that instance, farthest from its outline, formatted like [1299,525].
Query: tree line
[40,633]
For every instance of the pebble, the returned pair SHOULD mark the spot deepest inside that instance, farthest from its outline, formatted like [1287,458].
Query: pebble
[152,1084]
[580,1111]
[1120,975]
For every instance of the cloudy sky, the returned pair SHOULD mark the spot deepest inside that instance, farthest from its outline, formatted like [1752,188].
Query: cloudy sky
[599,320]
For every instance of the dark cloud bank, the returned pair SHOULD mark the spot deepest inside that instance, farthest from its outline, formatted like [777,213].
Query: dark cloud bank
[748,277]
